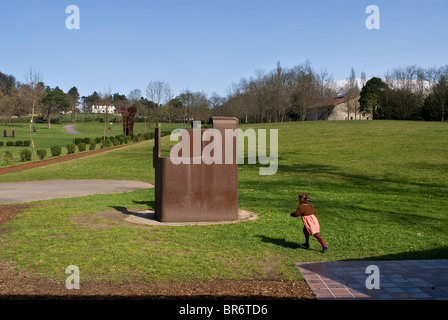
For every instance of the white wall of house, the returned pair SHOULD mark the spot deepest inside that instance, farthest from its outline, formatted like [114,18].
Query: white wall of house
[103,109]
[340,113]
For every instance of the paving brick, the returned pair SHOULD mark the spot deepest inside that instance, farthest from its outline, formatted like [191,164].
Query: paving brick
[399,279]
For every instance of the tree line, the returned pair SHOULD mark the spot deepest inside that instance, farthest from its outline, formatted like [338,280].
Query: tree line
[409,93]
[282,94]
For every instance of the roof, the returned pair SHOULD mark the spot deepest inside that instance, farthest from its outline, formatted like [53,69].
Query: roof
[335,100]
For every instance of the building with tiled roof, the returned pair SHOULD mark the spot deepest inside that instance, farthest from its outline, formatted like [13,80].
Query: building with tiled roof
[341,107]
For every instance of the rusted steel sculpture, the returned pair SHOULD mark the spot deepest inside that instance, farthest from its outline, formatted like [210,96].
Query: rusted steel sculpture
[5,134]
[197,191]
[128,114]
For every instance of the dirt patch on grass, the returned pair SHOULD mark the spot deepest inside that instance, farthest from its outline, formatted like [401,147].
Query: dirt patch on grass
[19,285]
[7,212]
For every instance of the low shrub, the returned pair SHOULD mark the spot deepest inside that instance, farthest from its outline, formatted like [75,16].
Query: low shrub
[25,155]
[41,153]
[56,150]
[115,142]
[2,143]
[81,147]
[78,141]
[86,140]
[18,143]
[107,143]
[98,140]
[70,148]
[9,143]
[8,157]
[92,145]
[26,143]
[128,139]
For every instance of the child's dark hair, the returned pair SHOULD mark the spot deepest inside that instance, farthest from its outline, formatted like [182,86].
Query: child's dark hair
[304,198]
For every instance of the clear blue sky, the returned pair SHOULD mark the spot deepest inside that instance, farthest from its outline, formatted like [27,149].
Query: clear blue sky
[206,45]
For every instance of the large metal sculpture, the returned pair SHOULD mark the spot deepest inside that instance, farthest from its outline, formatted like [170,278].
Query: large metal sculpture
[128,114]
[197,191]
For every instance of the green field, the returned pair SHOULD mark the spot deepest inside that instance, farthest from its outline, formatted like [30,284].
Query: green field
[44,137]
[380,189]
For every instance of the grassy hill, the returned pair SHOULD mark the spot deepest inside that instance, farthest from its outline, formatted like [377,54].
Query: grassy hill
[380,189]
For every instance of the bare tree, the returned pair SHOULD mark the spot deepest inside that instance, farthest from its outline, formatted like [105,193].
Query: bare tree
[280,97]
[134,96]
[3,105]
[327,86]
[8,103]
[352,84]
[106,99]
[351,87]
[306,90]
[168,109]
[363,79]
[159,93]
[31,92]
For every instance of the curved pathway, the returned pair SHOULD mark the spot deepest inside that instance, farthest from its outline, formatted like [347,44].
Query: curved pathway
[70,129]
[28,191]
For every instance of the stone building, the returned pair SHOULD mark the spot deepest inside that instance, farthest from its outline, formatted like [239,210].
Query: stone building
[341,107]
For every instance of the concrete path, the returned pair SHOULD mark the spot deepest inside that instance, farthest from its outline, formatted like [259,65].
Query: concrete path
[70,129]
[398,279]
[27,191]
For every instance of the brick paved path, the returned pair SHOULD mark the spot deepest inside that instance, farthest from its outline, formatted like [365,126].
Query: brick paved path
[398,279]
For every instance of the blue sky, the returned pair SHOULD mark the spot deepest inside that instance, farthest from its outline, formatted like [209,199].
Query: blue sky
[208,45]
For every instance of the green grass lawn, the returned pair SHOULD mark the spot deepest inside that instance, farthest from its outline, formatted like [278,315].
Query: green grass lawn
[44,138]
[380,189]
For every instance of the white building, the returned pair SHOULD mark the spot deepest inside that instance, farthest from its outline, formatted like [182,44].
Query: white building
[103,109]
[341,107]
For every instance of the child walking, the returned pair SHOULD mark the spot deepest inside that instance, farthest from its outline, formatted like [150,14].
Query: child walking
[310,222]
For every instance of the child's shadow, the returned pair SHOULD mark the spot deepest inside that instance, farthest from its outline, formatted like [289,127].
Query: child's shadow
[281,242]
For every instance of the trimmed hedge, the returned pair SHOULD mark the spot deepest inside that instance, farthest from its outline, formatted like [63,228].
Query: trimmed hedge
[70,148]
[8,157]
[56,150]
[25,155]
[81,147]
[41,153]
[82,143]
